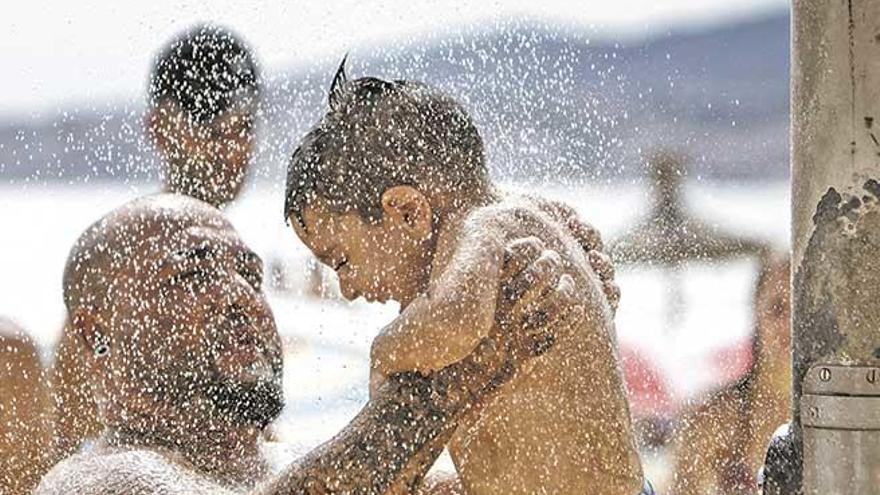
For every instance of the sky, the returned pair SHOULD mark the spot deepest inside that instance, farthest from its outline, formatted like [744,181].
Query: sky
[53,53]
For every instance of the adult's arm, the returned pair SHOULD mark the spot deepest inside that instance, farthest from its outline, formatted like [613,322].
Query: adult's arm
[395,439]
[387,449]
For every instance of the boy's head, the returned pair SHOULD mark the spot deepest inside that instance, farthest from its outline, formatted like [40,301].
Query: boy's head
[203,95]
[368,184]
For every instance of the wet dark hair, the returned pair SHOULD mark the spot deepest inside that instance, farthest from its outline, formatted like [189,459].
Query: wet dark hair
[205,70]
[379,134]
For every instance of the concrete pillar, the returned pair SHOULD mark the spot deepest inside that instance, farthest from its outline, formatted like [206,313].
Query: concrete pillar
[835,129]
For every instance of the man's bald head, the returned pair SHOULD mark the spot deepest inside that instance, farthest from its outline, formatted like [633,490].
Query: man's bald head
[109,243]
[167,301]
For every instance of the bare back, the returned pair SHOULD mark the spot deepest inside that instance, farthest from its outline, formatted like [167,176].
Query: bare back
[25,412]
[102,469]
[564,427]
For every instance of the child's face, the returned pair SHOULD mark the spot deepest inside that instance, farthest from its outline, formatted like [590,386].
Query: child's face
[380,262]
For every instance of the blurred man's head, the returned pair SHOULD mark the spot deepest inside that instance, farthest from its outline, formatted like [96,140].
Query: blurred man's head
[368,183]
[166,299]
[204,91]
[773,308]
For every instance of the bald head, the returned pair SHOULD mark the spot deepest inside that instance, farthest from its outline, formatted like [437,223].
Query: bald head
[108,244]
[166,299]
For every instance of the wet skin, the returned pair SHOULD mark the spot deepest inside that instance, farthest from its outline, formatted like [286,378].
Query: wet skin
[722,440]
[208,161]
[25,422]
[445,276]
[194,359]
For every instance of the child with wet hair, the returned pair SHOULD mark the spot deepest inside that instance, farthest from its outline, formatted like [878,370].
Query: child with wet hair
[391,190]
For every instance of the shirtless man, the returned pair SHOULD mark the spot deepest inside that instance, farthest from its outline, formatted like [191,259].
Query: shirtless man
[25,425]
[722,441]
[391,190]
[204,92]
[185,362]
[203,96]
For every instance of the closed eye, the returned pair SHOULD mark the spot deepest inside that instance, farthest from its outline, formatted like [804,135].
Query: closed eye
[250,267]
[196,276]
[254,279]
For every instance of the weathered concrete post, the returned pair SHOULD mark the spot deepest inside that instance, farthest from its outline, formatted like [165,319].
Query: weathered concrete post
[835,129]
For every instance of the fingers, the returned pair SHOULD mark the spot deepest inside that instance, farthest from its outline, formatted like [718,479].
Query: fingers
[612,293]
[519,254]
[604,268]
[538,325]
[591,241]
[536,279]
[601,264]
[585,234]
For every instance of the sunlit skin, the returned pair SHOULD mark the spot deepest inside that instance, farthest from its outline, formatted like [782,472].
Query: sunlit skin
[186,308]
[183,313]
[564,426]
[25,427]
[721,442]
[383,262]
[208,161]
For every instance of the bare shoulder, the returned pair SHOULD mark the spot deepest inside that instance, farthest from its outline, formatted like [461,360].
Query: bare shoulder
[140,472]
[518,216]
[717,415]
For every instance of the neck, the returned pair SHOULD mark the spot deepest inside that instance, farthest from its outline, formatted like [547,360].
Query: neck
[227,452]
[443,241]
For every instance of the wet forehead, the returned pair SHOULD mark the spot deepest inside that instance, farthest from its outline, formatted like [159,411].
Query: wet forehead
[171,243]
[322,227]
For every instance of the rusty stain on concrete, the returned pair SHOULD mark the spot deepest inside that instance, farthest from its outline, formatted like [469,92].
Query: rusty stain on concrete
[836,290]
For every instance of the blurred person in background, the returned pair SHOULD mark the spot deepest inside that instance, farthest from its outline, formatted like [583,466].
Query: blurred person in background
[203,97]
[203,94]
[25,407]
[721,442]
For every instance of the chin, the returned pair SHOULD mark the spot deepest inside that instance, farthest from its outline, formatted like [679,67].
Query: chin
[381,299]
[349,294]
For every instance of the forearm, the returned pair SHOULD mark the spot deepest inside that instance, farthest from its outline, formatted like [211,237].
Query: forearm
[395,439]
[445,324]
[433,332]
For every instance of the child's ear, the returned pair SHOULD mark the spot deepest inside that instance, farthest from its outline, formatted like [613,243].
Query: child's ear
[410,208]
